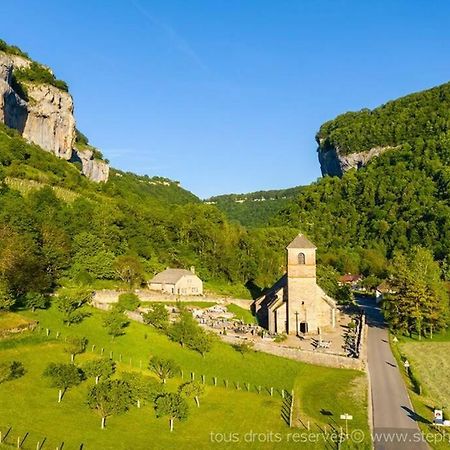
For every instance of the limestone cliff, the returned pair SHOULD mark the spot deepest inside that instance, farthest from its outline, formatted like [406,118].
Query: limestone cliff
[95,169]
[333,163]
[45,117]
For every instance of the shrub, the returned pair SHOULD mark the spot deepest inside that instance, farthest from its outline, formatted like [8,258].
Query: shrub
[157,316]
[128,302]
[280,338]
[11,370]
[11,49]
[37,73]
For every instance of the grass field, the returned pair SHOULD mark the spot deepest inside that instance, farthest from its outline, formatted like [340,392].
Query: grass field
[227,290]
[431,364]
[29,405]
[240,313]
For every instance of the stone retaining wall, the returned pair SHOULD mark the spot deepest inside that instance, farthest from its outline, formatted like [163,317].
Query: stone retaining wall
[307,356]
[18,329]
[107,296]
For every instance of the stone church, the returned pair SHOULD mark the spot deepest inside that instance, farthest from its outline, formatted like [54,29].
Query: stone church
[296,304]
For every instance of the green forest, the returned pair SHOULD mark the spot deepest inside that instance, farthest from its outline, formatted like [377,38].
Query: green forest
[416,117]
[254,209]
[58,228]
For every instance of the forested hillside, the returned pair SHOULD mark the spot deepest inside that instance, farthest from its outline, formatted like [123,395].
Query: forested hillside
[254,209]
[400,200]
[411,119]
[57,227]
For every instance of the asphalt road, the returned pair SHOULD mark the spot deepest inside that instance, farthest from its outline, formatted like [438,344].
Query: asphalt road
[394,420]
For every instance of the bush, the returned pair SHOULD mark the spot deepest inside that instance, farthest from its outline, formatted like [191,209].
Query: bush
[128,302]
[157,316]
[37,73]
[11,370]
[11,49]
[280,338]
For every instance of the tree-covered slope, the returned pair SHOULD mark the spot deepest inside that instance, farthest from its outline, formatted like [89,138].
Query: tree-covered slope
[254,209]
[400,200]
[56,226]
[419,116]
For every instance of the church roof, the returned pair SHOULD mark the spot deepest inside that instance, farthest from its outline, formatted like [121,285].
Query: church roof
[301,241]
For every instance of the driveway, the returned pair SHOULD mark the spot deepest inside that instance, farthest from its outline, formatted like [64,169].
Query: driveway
[394,421]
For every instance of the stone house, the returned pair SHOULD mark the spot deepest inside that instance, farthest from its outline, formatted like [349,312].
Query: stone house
[296,304]
[177,281]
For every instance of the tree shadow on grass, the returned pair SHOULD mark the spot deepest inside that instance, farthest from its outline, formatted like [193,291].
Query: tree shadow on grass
[417,417]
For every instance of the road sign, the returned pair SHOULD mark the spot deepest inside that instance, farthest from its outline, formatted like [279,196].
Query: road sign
[438,417]
[346,417]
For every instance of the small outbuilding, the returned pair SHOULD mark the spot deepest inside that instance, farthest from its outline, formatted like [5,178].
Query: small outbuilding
[177,281]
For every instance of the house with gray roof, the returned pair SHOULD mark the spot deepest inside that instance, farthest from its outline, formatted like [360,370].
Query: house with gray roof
[177,281]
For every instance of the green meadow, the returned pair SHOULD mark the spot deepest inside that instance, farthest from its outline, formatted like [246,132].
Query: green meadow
[239,412]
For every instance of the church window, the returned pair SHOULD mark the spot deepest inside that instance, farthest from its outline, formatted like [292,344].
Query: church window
[301,258]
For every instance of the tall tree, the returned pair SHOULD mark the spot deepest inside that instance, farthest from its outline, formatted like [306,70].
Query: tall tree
[129,269]
[420,303]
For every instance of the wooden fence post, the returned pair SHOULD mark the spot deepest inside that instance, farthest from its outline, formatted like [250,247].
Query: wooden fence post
[291,410]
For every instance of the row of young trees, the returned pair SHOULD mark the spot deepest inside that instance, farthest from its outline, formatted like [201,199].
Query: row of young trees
[112,396]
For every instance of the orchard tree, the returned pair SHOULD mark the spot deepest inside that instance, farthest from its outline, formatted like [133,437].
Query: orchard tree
[99,368]
[184,330]
[142,387]
[201,341]
[63,377]
[75,345]
[115,322]
[163,368]
[173,406]
[192,389]
[157,316]
[110,397]
[244,347]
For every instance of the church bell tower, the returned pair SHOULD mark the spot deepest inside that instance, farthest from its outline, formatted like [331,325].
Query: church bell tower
[301,284]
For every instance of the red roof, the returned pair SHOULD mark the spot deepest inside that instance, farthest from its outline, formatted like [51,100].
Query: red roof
[349,278]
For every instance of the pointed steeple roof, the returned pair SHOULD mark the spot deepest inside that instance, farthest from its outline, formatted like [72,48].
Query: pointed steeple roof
[301,241]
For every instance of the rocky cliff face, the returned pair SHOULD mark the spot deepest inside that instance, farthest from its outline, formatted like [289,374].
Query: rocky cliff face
[333,163]
[46,118]
[94,169]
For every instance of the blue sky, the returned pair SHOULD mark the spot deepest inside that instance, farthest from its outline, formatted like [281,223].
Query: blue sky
[227,95]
